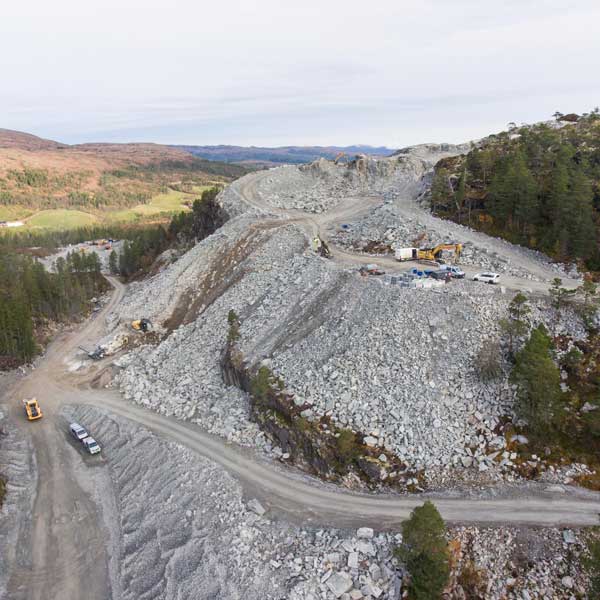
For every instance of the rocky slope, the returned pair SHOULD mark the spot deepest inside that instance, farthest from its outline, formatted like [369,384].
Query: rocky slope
[393,363]
[183,530]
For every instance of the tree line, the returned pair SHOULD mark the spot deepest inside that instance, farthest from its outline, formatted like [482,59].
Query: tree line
[30,296]
[564,418]
[538,186]
[142,249]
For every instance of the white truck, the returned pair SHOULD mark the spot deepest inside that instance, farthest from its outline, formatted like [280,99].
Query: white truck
[406,254]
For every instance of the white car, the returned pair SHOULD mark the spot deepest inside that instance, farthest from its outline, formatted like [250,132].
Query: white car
[91,445]
[78,432]
[487,277]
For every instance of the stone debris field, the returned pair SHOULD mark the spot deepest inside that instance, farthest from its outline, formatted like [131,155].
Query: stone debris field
[396,364]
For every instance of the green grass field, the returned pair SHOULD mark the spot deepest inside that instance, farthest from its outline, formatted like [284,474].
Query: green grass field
[162,206]
[60,219]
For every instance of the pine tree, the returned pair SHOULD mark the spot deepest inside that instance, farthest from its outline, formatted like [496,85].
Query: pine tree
[113,262]
[515,325]
[538,380]
[579,219]
[440,189]
[460,194]
[555,206]
[424,550]
[525,193]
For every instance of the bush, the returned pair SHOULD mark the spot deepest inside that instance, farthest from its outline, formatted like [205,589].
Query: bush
[429,575]
[347,446]
[233,334]
[473,581]
[261,383]
[592,566]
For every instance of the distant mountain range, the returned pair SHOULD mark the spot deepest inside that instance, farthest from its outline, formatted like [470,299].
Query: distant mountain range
[255,155]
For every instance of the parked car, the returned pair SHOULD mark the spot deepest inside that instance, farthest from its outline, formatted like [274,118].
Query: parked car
[455,272]
[91,445]
[487,277]
[78,432]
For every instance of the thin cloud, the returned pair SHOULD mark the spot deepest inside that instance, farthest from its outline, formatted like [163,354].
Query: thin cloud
[268,72]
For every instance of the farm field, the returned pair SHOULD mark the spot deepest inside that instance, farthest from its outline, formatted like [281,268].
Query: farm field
[60,218]
[161,206]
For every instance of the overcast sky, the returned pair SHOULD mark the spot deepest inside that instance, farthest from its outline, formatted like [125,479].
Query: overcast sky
[275,72]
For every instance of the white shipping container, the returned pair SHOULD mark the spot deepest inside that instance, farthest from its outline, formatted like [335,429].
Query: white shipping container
[406,254]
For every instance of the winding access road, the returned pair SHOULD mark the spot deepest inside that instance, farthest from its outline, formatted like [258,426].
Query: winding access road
[355,207]
[62,548]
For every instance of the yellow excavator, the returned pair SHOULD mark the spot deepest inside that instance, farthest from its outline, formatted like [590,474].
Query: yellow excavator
[320,247]
[436,253]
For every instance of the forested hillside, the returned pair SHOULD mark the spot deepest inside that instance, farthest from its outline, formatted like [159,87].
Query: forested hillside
[37,174]
[536,185]
[31,297]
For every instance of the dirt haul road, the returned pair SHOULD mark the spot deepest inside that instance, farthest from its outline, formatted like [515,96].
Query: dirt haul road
[61,551]
[355,207]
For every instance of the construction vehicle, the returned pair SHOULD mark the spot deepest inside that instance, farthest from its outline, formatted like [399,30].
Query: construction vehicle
[437,252]
[430,254]
[370,269]
[143,325]
[96,354]
[32,409]
[321,247]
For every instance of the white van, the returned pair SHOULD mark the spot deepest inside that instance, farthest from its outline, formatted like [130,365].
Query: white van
[455,272]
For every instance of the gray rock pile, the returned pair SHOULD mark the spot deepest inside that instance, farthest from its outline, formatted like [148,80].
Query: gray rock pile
[322,185]
[524,564]
[186,531]
[183,529]
[400,225]
[399,365]
[396,364]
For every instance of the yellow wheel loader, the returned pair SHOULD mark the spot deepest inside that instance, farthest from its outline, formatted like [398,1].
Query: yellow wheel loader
[143,325]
